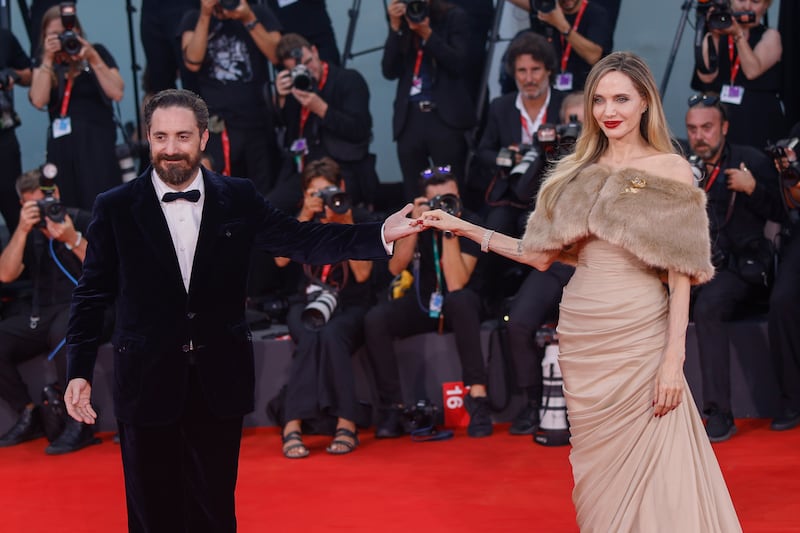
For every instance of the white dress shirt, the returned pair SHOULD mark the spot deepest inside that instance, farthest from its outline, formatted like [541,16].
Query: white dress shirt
[183,219]
[529,124]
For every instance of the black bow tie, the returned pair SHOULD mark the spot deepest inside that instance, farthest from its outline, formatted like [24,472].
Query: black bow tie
[191,196]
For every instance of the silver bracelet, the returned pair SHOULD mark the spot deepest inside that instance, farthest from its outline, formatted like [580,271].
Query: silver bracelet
[77,242]
[487,236]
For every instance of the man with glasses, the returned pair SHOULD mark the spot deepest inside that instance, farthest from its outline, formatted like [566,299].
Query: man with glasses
[741,187]
[445,294]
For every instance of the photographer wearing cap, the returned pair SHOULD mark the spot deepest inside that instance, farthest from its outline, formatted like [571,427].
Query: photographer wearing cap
[742,193]
[227,43]
[580,32]
[76,81]
[426,51]
[15,69]
[445,293]
[326,324]
[325,110]
[784,303]
[38,326]
[739,58]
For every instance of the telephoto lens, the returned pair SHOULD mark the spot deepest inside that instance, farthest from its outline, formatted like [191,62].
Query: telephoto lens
[321,306]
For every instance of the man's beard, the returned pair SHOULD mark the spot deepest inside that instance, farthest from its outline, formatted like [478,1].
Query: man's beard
[706,151]
[532,93]
[177,174]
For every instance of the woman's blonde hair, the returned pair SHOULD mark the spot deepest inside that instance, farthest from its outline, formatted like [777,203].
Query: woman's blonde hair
[592,142]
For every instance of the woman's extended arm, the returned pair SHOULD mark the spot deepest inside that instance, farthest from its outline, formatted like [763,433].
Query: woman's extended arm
[669,384]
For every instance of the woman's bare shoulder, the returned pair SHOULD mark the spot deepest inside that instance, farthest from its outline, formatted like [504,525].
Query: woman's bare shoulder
[671,166]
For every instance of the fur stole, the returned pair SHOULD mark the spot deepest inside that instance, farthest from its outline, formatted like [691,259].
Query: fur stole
[659,220]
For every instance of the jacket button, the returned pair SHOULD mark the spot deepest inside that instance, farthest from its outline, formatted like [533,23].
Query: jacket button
[190,315]
[186,348]
[228,233]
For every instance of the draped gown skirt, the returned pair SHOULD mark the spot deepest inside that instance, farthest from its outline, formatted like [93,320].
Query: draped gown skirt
[632,471]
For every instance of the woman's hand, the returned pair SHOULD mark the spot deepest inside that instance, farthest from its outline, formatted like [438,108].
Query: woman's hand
[52,45]
[442,221]
[669,385]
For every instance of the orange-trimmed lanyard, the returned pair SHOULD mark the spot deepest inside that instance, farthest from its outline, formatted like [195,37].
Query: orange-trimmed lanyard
[524,123]
[304,111]
[568,48]
[67,95]
[418,62]
[713,177]
[734,64]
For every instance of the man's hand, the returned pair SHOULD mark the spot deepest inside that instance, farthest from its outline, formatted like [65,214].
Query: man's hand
[555,18]
[62,231]
[29,216]
[398,225]
[283,82]
[312,101]
[312,204]
[207,7]
[242,13]
[396,11]
[423,29]
[78,399]
[741,179]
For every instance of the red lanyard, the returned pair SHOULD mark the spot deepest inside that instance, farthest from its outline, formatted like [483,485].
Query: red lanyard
[304,111]
[734,64]
[418,62]
[326,270]
[524,123]
[67,94]
[713,177]
[568,48]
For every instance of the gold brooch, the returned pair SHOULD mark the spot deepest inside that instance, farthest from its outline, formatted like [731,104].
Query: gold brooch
[636,183]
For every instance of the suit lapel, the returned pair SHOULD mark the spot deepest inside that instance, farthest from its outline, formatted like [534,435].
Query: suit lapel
[214,208]
[148,214]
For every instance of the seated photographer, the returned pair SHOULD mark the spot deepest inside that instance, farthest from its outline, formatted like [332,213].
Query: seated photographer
[38,326]
[739,60]
[444,294]
[76,81]
[15,69]
[327,326]
[229,44]
[741,187]
[784,303]
[325,110]
[580,32]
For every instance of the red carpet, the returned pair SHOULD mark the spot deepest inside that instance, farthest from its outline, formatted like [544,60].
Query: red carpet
[497,484]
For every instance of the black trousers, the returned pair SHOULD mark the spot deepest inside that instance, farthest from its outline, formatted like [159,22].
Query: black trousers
[401,318]
[536,302]
[181,477]
[19,343]
[10,169]
[321,378]
[715,305]
[253,155]
[425,138]
[784,333]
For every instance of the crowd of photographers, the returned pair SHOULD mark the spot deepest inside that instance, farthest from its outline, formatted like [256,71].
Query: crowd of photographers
[285,114]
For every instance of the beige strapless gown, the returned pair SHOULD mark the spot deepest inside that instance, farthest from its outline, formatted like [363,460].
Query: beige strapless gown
[632,471]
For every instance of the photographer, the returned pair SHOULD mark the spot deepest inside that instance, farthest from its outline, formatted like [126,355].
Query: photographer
[784,303]
[38,326]
[580,32]
[310,19]
[15,69]
[227,43]
[327,326]
[426,51]
[77,81]
[741,187]
[444,294]
[740,61]
[325,109]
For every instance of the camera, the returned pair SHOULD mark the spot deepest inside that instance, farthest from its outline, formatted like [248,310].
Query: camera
[70,43]
[719,15]
[335,199]
[322,302]
[790,170]
[49,206]
[449,203]
[6,74]
[545,6]
[301,78]
[567,135]
[422,414]
[416,10]
[229,5]
[698,168]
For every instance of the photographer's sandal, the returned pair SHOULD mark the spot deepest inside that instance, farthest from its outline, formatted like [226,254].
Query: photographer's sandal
[297,438]
[341,446]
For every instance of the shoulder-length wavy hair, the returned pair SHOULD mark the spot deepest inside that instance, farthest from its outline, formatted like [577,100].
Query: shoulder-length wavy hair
[592,142]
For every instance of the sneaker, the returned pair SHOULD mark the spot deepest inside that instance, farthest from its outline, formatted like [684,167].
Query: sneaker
[527,420]
[720,426]
[480,418]
[27,427]
[76,436]
[788,419]
[390,423]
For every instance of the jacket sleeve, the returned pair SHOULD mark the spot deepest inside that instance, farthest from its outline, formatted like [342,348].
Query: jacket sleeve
[348,116]
[393,57]
[450,50]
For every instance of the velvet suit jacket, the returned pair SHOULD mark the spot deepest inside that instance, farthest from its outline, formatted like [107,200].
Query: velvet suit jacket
[131,262]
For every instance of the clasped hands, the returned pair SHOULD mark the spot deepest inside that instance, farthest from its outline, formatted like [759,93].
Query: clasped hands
[399,224]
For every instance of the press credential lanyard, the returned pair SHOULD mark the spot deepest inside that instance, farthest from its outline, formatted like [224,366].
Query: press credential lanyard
[62,125]
[304,114]
[568,48]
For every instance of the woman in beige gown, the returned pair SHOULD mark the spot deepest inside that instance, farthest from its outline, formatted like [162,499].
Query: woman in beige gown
[624,209]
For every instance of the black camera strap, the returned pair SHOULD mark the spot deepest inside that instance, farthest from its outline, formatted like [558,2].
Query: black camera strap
[430,433]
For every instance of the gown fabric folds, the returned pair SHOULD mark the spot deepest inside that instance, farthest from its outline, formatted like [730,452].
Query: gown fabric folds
[633,472]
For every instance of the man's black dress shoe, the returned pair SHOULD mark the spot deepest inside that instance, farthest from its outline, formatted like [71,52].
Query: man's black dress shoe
[76,435]
[28,427]
[390,423]
[788,419]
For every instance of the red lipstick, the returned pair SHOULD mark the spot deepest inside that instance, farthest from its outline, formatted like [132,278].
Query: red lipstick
[611,124]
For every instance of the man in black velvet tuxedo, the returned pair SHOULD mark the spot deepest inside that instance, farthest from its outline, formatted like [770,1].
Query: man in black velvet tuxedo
[171,250]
